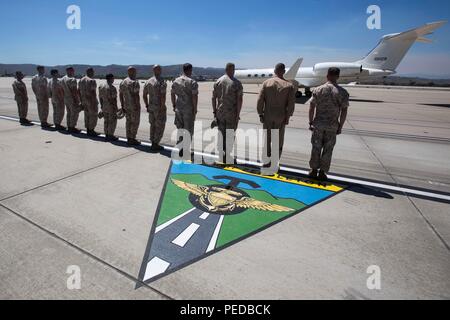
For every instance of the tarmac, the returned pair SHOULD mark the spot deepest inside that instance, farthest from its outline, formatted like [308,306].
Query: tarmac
[75,201]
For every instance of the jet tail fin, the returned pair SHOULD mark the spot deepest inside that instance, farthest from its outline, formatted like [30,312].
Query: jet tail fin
[424,40]
[293,70]
[393,47]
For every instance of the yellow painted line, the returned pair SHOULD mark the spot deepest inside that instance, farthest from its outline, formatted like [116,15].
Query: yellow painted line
[330,187]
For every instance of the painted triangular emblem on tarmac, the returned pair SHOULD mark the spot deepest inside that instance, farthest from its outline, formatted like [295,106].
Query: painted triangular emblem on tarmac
[204,209]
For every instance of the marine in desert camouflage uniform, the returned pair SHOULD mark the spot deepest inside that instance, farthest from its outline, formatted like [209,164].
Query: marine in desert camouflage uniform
[129,99]
[21,97]
[88,95]
[276,105]
[39,84]
[184,96]
[227,104]
[56,93]
[327,115]
[155,102]
[71,99]
[108,100]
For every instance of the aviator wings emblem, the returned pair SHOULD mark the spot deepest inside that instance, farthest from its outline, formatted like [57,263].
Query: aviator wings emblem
[223,199]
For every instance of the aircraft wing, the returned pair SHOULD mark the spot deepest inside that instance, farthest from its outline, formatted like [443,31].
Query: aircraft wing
[292,73]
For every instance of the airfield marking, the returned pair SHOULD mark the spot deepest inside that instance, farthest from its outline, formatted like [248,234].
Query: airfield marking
[156,266]
[180,241]
[213,241]
[387,187]
[186,235]
[377,185]
[204,216]
[168,223]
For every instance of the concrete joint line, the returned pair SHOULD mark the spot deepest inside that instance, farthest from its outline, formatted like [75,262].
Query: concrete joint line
[430,225]
[85,252]
[70,176]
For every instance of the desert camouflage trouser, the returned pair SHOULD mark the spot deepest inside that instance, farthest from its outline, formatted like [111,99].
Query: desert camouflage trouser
[58,112]
[323,142]
[73,112]
[43,108]
[90,115]
[157,119]
[110,123]
[270,127]
[184,120]
[227,126]
[22,107]
[132,122]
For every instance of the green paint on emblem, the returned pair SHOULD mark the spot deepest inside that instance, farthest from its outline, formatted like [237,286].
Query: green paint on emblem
[236,226]
[223,212]
[176,200]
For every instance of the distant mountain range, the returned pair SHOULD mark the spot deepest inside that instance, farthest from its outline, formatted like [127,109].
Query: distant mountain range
[172,71]
[407,81]
[120,71]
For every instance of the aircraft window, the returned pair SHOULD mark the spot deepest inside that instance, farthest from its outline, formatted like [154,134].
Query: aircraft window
[263,75]
[271,75]
[249,75]
[256,76]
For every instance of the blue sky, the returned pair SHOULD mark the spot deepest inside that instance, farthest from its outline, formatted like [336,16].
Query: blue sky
[210,33]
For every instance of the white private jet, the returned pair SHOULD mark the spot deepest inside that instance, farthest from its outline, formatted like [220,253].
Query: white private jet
[380,62]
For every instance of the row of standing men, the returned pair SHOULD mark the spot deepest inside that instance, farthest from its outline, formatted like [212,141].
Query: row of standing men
[275,106]
[70,98]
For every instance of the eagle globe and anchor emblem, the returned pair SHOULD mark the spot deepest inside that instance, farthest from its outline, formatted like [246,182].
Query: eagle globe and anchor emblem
[226,199]
[205,209]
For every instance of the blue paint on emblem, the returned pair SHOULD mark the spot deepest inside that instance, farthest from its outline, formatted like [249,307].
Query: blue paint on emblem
[278,189]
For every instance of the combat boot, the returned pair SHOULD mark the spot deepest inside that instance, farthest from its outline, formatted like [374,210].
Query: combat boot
[111,138]
[133,142]
[156,147]
[313,174]
[322,176]
[92,133]
[74,130]
[25,121]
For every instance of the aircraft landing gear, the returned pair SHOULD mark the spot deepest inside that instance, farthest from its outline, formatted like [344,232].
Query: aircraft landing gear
[308,92]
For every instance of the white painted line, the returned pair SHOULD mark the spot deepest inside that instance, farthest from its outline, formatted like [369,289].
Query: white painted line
[204,216]
[187,234]
[304,172]
[212,243]
[168,223]
[377,185]
[155,267]
[13,119]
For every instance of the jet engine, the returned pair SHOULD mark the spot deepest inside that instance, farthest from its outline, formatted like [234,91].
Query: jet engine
[347,69]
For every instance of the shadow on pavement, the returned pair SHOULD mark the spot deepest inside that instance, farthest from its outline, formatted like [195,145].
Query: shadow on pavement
[366,100]
[369,191]
[352,187]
